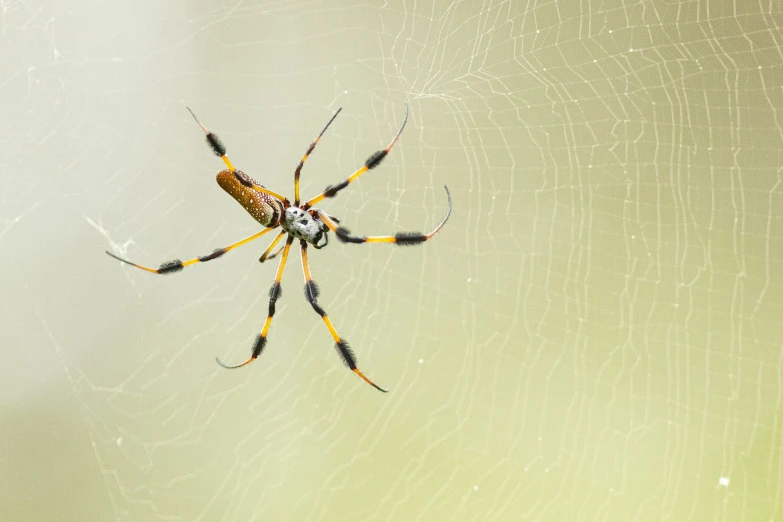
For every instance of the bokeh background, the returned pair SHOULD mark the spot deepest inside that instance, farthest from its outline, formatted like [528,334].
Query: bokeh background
[596,334]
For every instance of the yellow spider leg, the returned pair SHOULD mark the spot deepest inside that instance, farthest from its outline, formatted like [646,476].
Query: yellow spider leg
[372,162]
[169,267]
[274,294]
[400,238]
[311,292]
[298,170]
[220,150]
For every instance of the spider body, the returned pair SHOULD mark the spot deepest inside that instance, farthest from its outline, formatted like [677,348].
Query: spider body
[299,221]
[300,224]
[265,209]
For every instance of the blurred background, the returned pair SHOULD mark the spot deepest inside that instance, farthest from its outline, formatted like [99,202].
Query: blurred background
[596,333]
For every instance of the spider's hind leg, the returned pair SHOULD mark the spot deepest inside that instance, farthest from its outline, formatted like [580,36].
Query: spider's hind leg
[175,265]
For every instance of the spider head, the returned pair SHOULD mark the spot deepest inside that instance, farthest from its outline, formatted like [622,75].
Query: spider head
[300,224]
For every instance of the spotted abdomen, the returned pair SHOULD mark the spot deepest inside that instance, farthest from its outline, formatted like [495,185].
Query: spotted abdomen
[264,208]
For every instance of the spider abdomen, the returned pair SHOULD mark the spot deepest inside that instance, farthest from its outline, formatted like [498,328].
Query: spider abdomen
[264,208]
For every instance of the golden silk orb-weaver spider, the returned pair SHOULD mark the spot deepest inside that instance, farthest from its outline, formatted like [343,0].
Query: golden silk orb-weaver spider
[303,222]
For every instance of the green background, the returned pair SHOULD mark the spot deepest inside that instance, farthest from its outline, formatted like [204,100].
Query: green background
[594,335]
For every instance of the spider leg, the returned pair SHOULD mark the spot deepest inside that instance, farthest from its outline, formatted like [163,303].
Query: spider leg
[220,150]
[274,254]
[298,170]
[400,238]
[372,162]
[274,295]
[265,256]
[311,293]
[169,267]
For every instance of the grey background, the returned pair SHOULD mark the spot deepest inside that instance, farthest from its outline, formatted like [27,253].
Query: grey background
[594,335]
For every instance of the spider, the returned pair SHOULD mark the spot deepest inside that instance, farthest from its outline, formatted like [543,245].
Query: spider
[298,221]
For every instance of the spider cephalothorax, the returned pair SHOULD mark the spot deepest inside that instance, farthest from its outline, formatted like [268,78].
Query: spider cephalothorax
[302,225]
[298,221]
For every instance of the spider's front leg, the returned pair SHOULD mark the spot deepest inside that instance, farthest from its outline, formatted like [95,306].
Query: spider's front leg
[400,238]
[371,162]
[274,295]
[311,293]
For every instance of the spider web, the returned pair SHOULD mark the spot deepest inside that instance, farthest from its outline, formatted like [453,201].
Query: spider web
[594,335]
